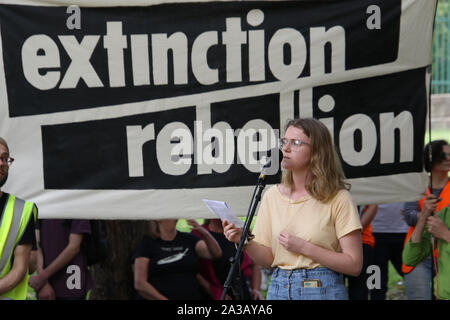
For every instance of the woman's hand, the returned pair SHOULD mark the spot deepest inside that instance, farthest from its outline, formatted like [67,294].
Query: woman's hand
[349,261]
[256,295]
[195,226]
[438,228]
[260,254]
[429,205]
[37,281]
[231,232]
[46,293]
[291,242]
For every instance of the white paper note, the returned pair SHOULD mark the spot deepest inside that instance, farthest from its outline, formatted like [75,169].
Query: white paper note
[221,209]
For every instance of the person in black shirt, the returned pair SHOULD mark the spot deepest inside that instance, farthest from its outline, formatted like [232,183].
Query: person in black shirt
[166,262]
[22,249]
[214,273]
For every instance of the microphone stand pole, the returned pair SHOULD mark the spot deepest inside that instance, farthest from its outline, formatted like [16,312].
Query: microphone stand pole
[235,261]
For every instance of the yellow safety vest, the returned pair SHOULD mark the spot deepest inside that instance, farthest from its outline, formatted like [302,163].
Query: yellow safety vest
[14,221]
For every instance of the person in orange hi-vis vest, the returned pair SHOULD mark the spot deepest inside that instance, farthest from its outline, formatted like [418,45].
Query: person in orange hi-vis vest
[357,286]
[389,230]
[418,279]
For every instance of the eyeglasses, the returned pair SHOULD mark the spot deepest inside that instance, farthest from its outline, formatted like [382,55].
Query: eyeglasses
[294,144]
[7,160]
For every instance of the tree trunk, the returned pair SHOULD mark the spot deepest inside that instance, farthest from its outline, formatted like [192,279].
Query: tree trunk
[114,276]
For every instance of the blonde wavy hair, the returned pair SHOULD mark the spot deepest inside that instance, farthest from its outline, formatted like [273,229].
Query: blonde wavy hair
[326,175]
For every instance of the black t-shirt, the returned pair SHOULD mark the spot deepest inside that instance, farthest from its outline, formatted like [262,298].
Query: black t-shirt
[28,236]
[173,265]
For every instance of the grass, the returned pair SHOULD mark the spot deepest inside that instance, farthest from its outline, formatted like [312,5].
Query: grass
[396,288]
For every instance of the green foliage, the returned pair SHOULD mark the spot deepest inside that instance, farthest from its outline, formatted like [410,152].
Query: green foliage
[441,56]
[438,135]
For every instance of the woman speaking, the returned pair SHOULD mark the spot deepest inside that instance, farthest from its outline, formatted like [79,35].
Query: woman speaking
[307,227]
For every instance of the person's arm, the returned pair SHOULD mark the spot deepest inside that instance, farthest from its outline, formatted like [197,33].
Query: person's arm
[145,289]
[410,212]
[69,252]
[416,236]
[207,248]
[349,261]
[39,254]
[255,282]
[259,253]
[418,246]
[368,215]
[32,265]
[429,205]
[19,268]
[46,292]
[438,228]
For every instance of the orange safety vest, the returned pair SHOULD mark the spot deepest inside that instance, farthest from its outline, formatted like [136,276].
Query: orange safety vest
[445,196]
[366,234]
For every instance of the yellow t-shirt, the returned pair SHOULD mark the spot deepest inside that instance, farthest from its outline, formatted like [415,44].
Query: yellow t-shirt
[322,224]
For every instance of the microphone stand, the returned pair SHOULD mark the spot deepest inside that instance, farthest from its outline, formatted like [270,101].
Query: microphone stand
[235,261]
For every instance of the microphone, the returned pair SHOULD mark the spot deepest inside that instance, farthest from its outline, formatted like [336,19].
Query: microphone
[264,170]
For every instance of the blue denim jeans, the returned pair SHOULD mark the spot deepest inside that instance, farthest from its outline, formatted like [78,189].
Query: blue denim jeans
[418,281]
[287,285]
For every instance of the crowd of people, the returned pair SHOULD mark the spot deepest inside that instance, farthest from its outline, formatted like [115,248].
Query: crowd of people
[308,233]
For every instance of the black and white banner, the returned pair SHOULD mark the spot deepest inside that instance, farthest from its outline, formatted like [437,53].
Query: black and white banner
[139,109]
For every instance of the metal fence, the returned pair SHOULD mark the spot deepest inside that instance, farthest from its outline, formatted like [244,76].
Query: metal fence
[441,50]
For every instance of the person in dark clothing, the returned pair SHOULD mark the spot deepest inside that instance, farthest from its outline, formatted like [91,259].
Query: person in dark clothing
[214,273]
[389,230]
[357,286]
[166,262]
[61,264]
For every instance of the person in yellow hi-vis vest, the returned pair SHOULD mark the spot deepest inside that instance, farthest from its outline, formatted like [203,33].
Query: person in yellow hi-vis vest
[17,237]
